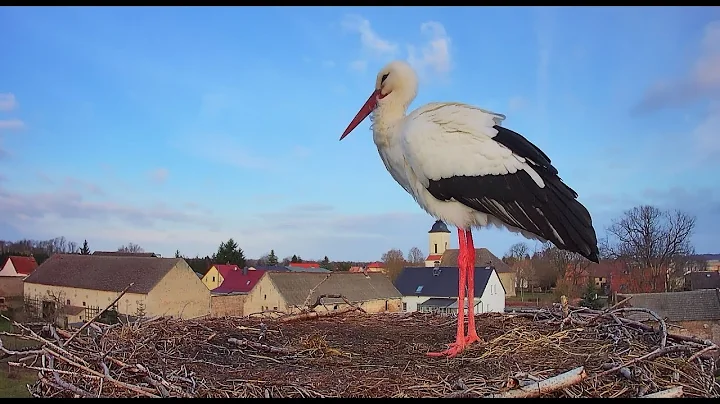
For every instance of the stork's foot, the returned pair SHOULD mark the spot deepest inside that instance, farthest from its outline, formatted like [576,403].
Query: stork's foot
[473,337]
[454,349]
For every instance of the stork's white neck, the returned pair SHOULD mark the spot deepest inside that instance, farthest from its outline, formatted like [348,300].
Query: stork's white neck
[386,119]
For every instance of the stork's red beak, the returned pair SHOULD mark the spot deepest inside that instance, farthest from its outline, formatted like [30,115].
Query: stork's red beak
[366,109]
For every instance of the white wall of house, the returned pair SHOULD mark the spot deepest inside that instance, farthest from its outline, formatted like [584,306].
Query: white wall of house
[492,298]
[9,269]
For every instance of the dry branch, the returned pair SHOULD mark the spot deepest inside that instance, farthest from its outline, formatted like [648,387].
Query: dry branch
[559,382]
[100,313]
[673,392]
[316,314]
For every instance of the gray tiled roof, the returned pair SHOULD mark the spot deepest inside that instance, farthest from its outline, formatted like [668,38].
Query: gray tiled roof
[437,282]
[703,280]
[483,257]
[100,272]
[695,305]
[294,287]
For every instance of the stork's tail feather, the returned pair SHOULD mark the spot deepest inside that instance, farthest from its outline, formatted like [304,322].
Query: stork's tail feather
[577,233]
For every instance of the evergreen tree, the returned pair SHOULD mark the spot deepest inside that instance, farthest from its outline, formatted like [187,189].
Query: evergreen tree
[85,250]
[177,254]
[229,253]
[272,259]
[325,263]
[590,297]
[294,259]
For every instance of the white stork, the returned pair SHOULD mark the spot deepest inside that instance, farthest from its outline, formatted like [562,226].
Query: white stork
[463,167]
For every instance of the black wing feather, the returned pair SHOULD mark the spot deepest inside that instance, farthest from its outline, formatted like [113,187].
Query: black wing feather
[518,201]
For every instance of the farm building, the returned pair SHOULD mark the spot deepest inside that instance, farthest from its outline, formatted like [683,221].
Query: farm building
[435,289]
[12,273]
[75,287]
[697,312]
[288,291]
[228,299]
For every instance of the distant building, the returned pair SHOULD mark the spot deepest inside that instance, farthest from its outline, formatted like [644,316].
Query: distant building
[702,280]
[436,290]
[438,242]
[12,273]
[80,285]
[288,291]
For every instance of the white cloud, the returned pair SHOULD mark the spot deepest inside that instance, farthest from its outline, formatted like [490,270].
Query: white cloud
[10,124]
[159,175]
[7,102]
[434,55]
[701,81]
[370,40]
[431,56]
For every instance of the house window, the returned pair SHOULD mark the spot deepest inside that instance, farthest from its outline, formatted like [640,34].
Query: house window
[213,279]
[435,248]
[265,297]
[275,308]
[68,302]
[335,307]
[83,304]
[404,306]
[419,289]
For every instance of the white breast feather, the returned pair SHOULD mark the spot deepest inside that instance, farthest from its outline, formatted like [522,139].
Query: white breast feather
[444,140]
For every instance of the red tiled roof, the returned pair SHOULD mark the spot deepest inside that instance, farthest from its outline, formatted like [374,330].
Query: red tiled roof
[24,265]
[434,257]
[237,282]
[355,269]
[375,264]
[225,270]
[305,264]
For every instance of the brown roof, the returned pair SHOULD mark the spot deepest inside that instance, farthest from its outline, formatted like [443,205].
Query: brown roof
[294,287]
[124,254]
[108,273]
[696,305]
[483,257]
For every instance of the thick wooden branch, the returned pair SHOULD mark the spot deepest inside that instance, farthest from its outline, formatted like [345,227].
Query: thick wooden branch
[673,392]
[315,314]
[546,386]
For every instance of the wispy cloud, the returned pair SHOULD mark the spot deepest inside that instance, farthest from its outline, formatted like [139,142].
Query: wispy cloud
[7,102]
[702,80]
[83,186]
[224,149]
[372,43]
[431,56]
[10,124]
[159,175]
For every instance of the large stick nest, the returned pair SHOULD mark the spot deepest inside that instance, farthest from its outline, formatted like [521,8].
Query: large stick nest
[365,355]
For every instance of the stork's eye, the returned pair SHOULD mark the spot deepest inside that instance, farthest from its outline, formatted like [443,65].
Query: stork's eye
[382,80]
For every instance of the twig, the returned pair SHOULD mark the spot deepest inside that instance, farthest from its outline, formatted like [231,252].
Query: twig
[315,314]
[257,345]
[663,326]
[702,351]
[650,356]
[100,313]
[307,299]
[609,309]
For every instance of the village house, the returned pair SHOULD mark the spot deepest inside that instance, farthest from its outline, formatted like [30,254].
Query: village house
[217,274]
[228,299]
[436,290]
[75,287]
[12,273]
[484,258]
[697,312]
[288,292]
[371,267]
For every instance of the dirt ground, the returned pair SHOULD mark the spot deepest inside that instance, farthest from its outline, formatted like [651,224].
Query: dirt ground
[360,355]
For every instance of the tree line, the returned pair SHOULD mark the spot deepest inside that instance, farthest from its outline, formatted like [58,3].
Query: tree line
[651,247]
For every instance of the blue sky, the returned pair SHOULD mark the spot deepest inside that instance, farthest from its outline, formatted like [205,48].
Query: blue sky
[177,128]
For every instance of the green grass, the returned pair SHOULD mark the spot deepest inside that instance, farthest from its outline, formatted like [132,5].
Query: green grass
[14,343]
[12,384]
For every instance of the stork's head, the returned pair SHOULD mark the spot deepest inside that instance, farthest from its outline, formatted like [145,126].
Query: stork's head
[396,85]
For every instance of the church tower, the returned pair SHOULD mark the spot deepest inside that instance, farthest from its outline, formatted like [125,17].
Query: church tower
[439,241]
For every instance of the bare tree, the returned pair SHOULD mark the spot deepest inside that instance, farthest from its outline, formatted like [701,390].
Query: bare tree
[415,256]
[518,258]
[394,262]
[650,240]
[131,248]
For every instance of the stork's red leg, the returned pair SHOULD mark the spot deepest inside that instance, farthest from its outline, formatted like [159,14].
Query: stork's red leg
[470,271]
[459,344]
